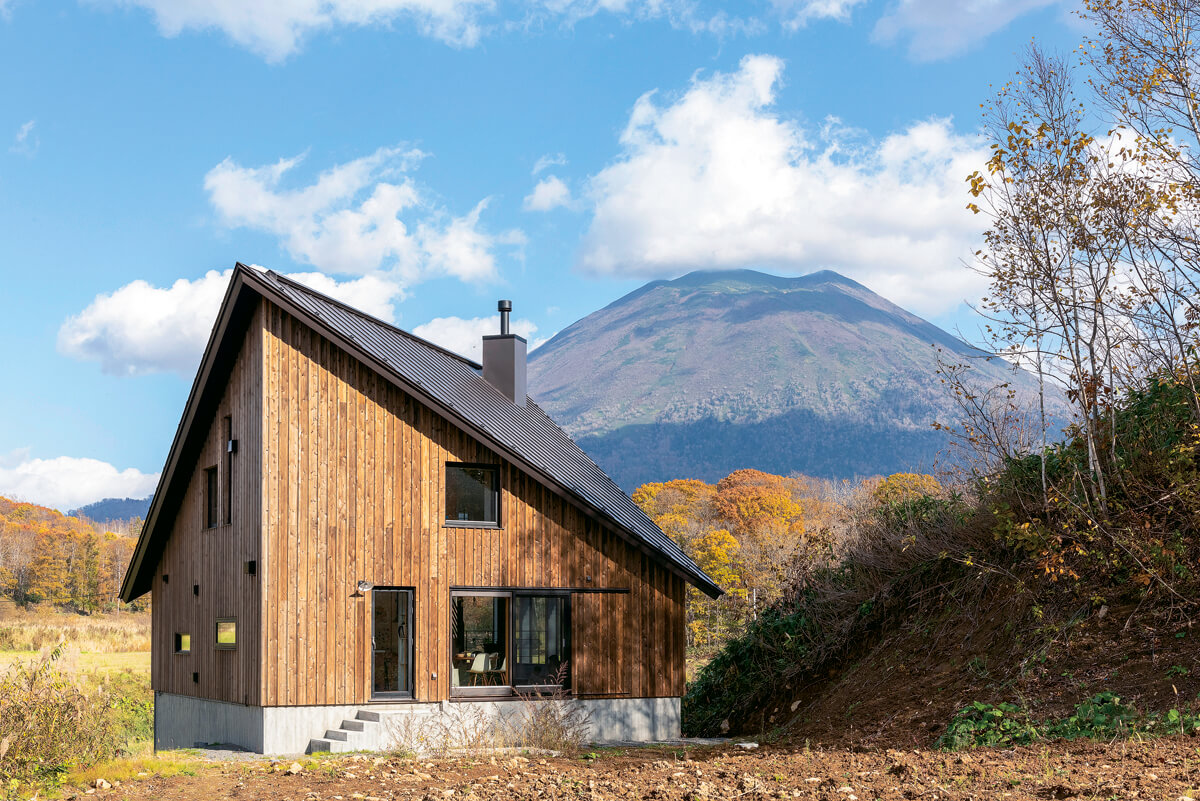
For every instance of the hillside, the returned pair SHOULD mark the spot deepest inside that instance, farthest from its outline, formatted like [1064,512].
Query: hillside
[113,509]
[717,371]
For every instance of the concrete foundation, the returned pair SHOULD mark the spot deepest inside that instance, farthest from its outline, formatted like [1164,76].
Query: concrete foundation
[185,722]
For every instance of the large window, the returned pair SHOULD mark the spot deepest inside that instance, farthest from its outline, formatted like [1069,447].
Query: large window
[506,639]
[479,643]
[540,640]
[472,495]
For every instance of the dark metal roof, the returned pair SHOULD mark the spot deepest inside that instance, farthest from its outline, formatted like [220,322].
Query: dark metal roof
[526,433]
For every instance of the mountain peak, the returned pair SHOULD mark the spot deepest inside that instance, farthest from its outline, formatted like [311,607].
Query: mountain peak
[732,279]
[716,370]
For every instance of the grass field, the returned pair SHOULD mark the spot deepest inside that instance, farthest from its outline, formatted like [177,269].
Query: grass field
[134,661]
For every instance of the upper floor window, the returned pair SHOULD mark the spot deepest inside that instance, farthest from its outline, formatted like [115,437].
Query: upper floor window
[210,497]
[472,495]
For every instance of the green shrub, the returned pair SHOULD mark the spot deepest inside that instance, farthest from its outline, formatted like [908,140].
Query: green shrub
[51,722]
[986,725]
[1104,716]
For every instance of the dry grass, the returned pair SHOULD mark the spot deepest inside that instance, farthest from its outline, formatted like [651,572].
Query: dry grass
[137,766]
[137,662]
[556,722]
[36,629]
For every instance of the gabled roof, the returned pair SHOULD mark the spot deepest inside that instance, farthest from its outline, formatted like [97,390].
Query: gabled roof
[449,383]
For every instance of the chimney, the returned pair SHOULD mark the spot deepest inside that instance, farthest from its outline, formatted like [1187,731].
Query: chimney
[504,359]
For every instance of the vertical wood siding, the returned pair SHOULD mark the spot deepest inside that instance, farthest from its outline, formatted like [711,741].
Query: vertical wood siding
[213,559]
[353,478]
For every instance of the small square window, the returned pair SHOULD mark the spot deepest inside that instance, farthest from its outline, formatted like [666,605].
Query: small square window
[227,633]
[472,495]
[183,643]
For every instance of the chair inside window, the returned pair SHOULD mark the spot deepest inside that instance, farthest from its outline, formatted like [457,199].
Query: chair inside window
[480,668]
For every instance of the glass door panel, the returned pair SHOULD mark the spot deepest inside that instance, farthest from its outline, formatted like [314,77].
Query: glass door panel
[479,644]
[541,638]
[391,643]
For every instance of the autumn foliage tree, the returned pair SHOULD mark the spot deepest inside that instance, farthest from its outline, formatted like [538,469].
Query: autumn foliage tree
[47,557]
[750,531]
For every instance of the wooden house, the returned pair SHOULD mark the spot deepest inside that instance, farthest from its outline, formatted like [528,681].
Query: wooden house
[354,523]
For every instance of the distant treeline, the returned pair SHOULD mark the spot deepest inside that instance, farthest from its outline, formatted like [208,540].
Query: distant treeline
[47,557]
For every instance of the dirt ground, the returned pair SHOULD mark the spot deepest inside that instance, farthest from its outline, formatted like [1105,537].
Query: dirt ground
[1161,769]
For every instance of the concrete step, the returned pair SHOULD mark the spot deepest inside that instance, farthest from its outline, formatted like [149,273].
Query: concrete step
[337,734]
[366,714]
[318,746]
[354,725]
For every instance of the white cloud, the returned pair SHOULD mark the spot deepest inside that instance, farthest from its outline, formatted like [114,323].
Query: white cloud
[68,482]
[798,13]
[715,179]
[276,29]
[25,142]
[939,28]
[465,336]
[141,328]
[549,160]
[550,193]
[352,218]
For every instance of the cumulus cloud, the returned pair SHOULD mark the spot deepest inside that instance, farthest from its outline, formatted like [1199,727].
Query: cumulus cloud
[936,29]
[68,482]
[550,193]
[715,179]
[465,336]
[25,142]
[141,328]
[362,217]
[276,29]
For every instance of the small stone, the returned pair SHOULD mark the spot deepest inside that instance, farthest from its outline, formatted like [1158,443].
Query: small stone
[795,704]
[101,784]
[294,768]
[747,746]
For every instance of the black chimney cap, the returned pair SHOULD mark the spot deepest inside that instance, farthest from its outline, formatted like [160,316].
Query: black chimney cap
[504,306]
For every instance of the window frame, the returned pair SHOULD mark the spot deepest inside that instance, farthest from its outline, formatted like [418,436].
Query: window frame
[510,594]
[217,644]
[495,690]
[179,649]
[496,490]
[212,503]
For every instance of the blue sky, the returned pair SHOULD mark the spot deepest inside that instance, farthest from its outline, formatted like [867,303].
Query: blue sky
[422,158]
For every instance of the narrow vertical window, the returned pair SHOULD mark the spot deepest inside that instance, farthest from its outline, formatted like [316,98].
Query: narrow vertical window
[229,448]
[210,497]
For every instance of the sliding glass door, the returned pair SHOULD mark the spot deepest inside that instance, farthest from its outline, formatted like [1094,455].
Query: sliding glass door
[540,640]
[503,640]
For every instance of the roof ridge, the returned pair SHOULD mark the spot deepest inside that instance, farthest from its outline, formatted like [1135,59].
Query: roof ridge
[370,318]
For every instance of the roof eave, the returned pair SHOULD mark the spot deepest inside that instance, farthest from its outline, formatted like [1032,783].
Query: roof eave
[134,585]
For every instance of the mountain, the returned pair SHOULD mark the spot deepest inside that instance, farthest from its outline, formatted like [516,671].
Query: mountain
[113,509]
[715,371]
